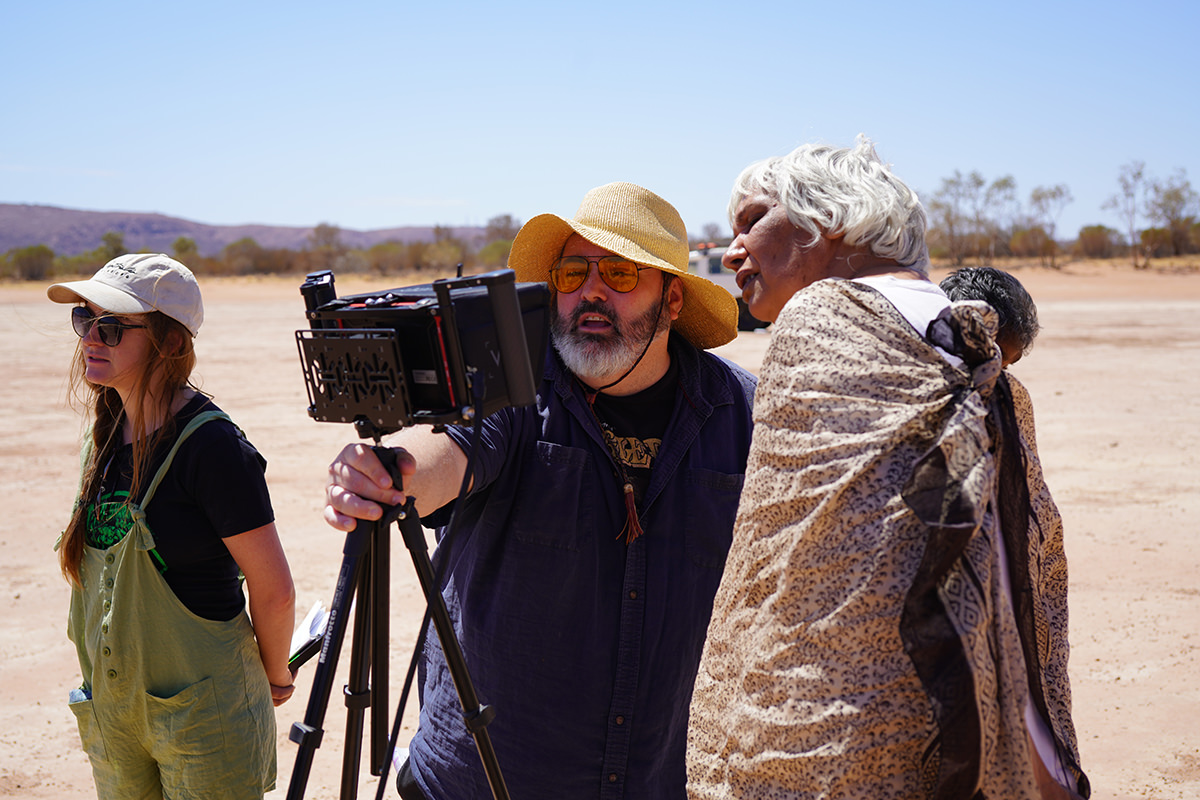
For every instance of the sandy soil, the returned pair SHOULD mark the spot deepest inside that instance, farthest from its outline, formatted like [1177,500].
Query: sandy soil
[1114,379]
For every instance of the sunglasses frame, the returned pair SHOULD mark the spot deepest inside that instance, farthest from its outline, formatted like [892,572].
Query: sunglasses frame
[597,261]
[110,327]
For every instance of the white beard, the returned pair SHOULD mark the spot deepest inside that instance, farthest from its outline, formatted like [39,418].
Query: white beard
[594,358]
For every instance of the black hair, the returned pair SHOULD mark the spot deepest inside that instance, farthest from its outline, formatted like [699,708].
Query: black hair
[1003,292]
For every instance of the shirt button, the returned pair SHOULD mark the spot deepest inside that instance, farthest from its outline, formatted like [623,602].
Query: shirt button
[620,720]
[104,628]
[633,595]
[612,777]
[109,583]
[112,673]
[110,558]
[107,605]
[107,651]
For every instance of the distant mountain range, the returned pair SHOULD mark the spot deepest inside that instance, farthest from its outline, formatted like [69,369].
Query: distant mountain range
[69,232]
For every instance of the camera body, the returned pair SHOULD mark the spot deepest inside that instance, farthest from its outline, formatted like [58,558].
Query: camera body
[440,353]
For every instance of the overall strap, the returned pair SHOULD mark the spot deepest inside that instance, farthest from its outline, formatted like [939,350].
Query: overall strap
[139,510]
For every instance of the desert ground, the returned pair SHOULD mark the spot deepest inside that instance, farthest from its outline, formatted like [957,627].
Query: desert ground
[1115,378]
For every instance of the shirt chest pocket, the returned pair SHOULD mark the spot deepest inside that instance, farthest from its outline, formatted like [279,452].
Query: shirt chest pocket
[556,503]
[711,508]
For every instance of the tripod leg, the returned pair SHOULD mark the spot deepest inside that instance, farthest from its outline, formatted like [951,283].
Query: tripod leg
[381,559]
[309,733]
[475,715]
[357,691]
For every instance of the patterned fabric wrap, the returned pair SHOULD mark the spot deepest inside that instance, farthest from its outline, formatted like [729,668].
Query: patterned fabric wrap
[862,642]
[1047,563]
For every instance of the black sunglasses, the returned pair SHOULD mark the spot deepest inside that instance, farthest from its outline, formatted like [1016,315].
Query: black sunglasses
[109,329]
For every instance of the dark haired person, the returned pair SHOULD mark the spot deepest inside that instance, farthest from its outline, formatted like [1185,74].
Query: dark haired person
[597,524]
[884,627]
[1018,326]
[178,682]
[1018,320]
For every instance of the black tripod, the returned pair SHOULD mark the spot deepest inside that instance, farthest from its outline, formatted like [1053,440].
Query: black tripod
[457,336]
[364,574]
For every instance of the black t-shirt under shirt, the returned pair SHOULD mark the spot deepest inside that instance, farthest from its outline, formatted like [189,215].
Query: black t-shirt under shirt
[214,488]
[634,426]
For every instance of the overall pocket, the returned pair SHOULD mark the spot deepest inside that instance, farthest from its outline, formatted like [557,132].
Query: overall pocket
[189,722]
[89,729]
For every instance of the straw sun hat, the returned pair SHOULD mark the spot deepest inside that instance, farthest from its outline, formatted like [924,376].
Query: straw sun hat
[637,224]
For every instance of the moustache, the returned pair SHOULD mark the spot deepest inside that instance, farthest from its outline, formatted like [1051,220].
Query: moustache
[594,307]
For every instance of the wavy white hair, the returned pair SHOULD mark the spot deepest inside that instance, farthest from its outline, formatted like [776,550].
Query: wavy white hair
[846,192]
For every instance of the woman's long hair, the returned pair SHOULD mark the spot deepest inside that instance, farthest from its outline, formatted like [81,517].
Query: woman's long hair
[166,370]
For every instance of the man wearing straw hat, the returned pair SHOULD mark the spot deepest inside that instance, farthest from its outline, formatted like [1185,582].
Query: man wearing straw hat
[597,523]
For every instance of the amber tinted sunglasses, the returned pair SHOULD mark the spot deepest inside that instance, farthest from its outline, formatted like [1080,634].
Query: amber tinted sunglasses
[570,272]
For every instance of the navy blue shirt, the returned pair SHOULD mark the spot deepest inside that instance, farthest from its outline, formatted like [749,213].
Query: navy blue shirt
[587,647]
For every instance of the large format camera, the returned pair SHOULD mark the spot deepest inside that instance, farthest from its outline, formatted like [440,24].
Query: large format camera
[437,354]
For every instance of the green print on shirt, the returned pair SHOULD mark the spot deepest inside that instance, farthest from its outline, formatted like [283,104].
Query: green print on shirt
[108,520]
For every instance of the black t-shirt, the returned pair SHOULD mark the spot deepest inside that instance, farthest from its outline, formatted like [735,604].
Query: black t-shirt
[214,488]
[634,426]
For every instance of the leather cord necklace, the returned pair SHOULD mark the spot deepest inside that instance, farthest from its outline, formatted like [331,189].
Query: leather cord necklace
[633,525]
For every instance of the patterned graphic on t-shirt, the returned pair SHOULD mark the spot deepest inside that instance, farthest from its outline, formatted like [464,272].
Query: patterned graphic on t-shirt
[631,451]
[109,520]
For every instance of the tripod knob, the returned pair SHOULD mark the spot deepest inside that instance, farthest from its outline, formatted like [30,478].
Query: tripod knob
[479,718]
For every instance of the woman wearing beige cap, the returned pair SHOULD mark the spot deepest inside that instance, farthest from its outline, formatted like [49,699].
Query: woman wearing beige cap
[178,683]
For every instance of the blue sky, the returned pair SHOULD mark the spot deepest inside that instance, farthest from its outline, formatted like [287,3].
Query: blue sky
[379,114]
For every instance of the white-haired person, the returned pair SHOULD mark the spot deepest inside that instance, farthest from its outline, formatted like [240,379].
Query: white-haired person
[882,628]
[597,522]
[173,509]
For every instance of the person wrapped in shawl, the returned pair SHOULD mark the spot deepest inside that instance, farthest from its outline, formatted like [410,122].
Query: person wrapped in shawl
[891,622]
[1017,328]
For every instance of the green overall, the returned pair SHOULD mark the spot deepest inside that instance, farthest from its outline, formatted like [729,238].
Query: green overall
[179,706]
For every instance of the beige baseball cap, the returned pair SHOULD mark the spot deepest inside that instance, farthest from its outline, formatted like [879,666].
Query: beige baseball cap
[136,284]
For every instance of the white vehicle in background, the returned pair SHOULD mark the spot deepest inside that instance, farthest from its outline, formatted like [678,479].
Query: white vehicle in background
[706,261]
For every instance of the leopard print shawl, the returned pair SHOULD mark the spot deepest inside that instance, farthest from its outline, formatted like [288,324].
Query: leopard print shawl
[846,657]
